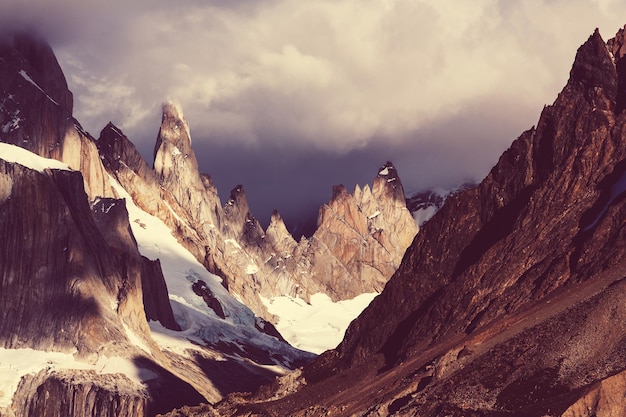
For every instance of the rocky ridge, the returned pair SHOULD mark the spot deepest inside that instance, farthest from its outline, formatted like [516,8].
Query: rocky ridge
[509,300]
[358,244]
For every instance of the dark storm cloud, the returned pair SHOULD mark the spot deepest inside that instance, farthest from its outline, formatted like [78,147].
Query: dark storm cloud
[291,97]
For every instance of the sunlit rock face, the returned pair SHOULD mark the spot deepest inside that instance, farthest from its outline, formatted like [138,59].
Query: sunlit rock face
[56,260]
[364,234]
[80,394]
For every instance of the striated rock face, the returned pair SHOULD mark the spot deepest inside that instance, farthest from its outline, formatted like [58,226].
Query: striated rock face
[364,235]
[509,302]
[359,242]
[79,394]
[53,258]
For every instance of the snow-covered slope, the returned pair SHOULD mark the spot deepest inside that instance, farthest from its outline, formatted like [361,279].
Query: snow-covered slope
[12,153]
[318,326]
[200,323]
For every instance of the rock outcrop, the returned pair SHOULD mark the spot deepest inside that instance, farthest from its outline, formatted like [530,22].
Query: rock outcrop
[509,302]
[361,238]
[155,297]
[79,394]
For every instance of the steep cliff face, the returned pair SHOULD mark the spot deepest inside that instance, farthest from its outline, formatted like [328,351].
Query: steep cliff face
[36,110]
[509,300]
[519,233]
[364,235]
[54,259]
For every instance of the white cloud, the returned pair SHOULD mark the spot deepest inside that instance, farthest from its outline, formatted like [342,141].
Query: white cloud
[336,74]
[461,77]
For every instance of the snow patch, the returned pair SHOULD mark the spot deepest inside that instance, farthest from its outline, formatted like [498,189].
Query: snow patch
[176,152]
[318,326]
[421,216]
[252,269]
[384,171]
[136,340]
[30,80]
[105,208]
[374,215]
[15,154]
[119,365]
[174,341]
[12,124]
[116,130]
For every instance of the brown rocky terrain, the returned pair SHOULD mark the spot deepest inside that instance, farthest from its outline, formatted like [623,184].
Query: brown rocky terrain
[509,302]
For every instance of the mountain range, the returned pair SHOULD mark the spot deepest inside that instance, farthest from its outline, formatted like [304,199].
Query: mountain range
[128,289]
[509,302]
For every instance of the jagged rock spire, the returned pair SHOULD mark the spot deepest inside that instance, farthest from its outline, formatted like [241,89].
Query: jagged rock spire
[174,159]
[388,182]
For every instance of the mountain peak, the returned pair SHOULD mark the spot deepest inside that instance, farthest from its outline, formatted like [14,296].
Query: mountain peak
[33,59]
[617,44]
[174,158]
[594,71]
[339,191]
[173,110]
[387,170]
[237,199]
[387,183]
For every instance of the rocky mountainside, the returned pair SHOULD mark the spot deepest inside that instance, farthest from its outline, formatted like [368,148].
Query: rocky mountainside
[83,269]
[509,302]
[357,246]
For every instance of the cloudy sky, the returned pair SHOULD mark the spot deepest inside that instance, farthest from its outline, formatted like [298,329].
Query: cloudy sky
[290,97]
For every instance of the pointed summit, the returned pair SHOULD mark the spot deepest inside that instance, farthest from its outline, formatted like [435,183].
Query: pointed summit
[387,183]
[36,105]
[594,72]
[236,208]
[174,160]
[34,61]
